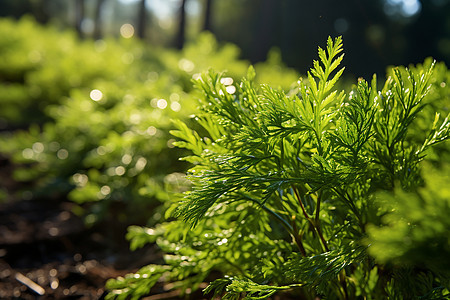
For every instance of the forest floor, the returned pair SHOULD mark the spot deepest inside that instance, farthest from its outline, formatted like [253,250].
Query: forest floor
[46,252]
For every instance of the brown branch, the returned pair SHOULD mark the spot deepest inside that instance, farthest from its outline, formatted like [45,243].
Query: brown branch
[297,237]
[314,224]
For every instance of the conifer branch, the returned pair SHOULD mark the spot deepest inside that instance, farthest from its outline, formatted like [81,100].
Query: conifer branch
[282,171]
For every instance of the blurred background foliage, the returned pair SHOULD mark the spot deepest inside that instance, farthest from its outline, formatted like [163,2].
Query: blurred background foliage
[414,232]
[90,119]
[377,33]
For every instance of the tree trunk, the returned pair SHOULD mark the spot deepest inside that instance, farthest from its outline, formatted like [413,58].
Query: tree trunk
[40,11]
[182,26]
[264,36]
[208,11]
[79,17]
[142,19]
[98,20]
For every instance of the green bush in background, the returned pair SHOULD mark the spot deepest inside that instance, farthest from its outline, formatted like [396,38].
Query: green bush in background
[95,115]
[40,65]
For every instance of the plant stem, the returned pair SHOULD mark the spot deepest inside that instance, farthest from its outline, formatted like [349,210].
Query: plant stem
[292,229]
[314,224]
[343,283]
[298,238]
[318,207]
[352,207]
[317,221]
[300,202]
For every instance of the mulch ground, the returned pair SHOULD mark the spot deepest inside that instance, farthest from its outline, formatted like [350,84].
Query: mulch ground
[46,252]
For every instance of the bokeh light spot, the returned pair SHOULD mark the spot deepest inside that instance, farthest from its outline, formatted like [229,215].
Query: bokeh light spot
[105,190]
[186,65]
[226,81]
[126,159]
[141,163]
[62,154]
[162,103]
[170,143]
[175,106]
[231,89]
[96,95]
[127,30]
[54,146]
[151,130]
[53,231]
[405,8]
[54,284]
[154,102]
[119,170]
[174,97]
[27,153]
[38,147]
[152,76]
[80,179]
[135,118]
[411,7]
[101,150]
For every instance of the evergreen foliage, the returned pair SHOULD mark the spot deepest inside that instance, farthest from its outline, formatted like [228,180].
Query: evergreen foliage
[314,192]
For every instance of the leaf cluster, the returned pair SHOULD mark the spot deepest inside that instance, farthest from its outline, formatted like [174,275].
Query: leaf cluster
[286,187]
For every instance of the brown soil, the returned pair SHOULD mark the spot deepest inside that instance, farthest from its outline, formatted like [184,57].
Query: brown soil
[46,252]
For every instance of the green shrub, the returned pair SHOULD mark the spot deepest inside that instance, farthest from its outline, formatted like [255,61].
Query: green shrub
[40,65]
[315,192]
[97,115]
[97,111]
